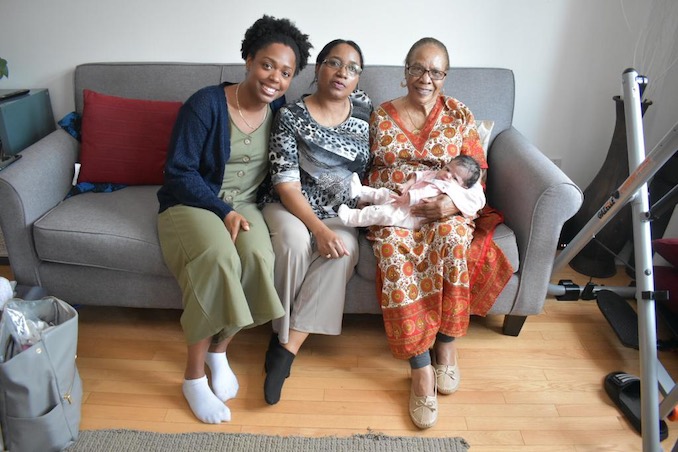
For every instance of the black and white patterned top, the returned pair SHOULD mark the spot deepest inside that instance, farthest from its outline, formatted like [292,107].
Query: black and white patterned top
[321,158]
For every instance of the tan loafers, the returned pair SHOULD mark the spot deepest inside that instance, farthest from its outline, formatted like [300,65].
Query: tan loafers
[447,377]
[423,410]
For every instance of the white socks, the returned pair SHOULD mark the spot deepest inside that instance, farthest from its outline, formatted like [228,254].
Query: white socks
[224,381]
[208,404]
[205,405]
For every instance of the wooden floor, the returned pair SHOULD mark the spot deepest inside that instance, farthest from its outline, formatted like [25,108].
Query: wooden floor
[541,391]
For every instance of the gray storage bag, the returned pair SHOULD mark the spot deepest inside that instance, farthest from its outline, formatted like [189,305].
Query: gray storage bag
[40,388]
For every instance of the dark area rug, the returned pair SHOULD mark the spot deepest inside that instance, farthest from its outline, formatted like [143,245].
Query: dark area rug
[137,441]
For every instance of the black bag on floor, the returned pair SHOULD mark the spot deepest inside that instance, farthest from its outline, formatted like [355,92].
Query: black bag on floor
[40,388]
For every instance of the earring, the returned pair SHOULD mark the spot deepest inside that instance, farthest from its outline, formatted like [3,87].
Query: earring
[403,84]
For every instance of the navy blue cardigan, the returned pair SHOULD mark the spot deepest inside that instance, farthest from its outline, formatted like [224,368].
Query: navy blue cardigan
[198,152]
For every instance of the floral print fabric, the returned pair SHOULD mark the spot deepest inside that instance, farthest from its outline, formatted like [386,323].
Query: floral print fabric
[432,279]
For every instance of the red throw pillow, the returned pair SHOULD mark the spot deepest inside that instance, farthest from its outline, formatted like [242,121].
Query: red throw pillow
[125,141]
[668,249]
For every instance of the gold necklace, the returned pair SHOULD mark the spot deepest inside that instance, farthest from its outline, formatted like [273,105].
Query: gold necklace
[416,129]
[237,102]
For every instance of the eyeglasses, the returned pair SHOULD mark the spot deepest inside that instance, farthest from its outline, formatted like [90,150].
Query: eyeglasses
[335,63]
[418,71]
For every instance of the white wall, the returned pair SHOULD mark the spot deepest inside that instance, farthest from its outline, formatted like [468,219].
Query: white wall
[568,55]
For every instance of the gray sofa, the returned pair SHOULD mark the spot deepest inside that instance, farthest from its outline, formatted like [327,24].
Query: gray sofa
[102,248]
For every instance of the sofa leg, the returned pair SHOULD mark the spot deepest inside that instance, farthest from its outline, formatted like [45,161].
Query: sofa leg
[513,324]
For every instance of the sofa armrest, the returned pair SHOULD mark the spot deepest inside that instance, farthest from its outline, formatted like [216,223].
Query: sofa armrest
[30,187]
[536,198]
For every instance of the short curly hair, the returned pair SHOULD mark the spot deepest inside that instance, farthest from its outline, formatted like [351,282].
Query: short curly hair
[269,30]
[427,41]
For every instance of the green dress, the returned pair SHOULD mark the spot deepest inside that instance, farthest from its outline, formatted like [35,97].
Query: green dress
[226,286]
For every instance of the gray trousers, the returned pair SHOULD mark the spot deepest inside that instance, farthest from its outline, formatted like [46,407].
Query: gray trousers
[311,288]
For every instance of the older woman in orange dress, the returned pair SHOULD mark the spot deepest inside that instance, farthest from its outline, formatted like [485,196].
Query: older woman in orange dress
[426,276]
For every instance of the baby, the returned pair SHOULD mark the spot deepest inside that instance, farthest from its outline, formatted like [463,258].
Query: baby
[459,179]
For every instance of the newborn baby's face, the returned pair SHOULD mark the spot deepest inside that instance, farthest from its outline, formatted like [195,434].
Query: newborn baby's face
[455,172]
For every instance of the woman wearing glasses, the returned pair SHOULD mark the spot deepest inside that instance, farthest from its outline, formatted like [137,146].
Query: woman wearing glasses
[425,275]
[316,144]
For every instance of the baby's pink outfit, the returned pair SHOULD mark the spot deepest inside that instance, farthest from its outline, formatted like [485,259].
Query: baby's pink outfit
[383,212]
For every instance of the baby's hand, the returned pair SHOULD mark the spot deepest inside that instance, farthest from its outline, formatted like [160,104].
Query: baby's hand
[411,179]
[401,200]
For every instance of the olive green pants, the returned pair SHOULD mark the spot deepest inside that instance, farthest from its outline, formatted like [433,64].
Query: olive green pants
[226,286]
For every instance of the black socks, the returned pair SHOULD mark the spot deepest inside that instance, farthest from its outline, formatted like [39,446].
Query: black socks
[277,365]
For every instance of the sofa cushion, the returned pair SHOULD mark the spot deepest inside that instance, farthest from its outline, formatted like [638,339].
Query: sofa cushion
[124,141]
[504,237]
[116,230]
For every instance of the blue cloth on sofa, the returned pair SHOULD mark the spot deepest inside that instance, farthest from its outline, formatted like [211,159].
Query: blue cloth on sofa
[84,187]
[71,124]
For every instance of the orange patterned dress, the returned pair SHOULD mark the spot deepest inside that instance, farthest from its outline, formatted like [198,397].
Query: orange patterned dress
[432,279]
